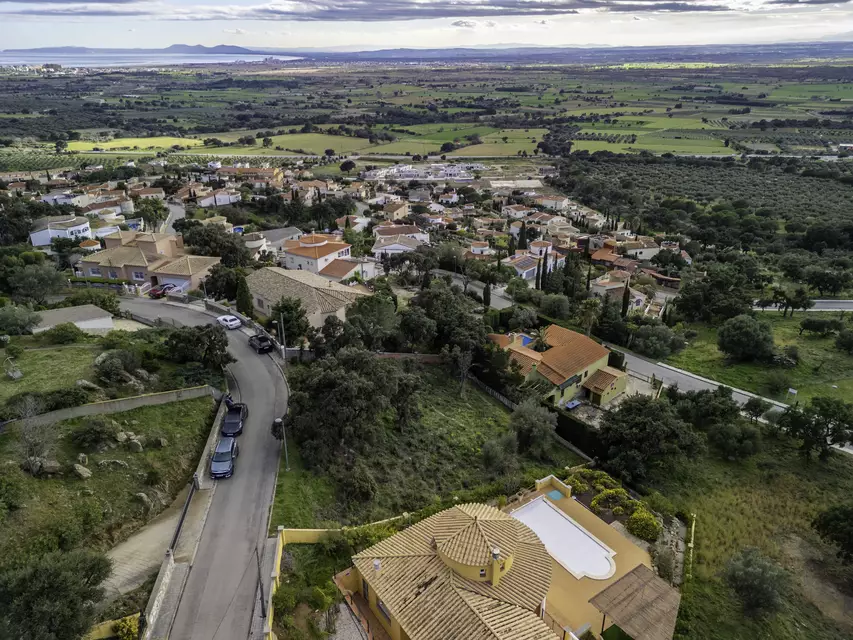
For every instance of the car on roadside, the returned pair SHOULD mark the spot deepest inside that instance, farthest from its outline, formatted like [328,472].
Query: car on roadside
[232,423]
[224,458]
[161,291]
[261,343]
[229,322]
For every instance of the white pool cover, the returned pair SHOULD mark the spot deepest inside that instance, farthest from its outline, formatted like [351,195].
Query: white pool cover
[576,549]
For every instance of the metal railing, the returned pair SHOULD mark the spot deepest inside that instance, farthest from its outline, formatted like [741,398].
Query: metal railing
[177,534]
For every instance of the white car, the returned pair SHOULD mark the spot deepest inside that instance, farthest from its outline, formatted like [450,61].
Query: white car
[229,322]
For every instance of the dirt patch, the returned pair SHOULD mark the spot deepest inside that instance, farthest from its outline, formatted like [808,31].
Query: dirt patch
[807,564]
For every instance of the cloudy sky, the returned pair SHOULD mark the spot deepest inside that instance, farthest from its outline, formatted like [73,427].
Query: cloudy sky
[373,24]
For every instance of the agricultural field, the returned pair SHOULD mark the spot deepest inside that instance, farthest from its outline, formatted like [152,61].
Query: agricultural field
[157,143]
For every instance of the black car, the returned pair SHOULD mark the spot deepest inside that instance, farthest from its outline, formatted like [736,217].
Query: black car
[261,344]
[232,424]
[224,458]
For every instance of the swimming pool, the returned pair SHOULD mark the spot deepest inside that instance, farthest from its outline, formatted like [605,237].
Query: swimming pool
[576,549]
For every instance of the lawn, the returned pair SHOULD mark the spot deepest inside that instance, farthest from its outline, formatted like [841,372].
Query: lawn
[157,143]
[823,370]
[767,502]
[50,368]
[64,511]
[435,460]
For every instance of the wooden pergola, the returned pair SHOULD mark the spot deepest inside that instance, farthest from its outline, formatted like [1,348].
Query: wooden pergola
[641,604]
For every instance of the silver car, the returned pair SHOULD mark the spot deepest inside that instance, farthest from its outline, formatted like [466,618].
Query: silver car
[224,458]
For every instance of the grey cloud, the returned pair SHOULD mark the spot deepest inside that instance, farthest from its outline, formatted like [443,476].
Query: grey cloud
[466,12]
[794,3]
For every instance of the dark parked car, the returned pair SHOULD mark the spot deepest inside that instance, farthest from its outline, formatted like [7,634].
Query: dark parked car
[224,458]
[232,424]
[261,344]
[161,290]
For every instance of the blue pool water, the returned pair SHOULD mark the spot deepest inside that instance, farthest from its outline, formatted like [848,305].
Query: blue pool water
[526,340]
[554,494]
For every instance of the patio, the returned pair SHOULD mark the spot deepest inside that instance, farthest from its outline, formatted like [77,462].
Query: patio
[370,624]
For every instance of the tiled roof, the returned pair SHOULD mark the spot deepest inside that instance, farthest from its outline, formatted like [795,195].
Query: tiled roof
[396,230]
[499,339]
[124,256]
[605,255]
[386,241]
[84,312]
[338,268]
[89,243]
[58,222]
[602,379]
[317,251]
[430,600]
[187,265]
[318,295]
[570,353]
[526,358]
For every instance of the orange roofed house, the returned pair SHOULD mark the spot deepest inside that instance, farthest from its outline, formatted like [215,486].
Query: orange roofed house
[313,252]
[570,365]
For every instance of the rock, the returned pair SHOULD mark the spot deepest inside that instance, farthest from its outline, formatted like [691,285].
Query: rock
[135,446]
[32,465]
[121,436]
[88,386]
[51,467]
[134,422]
[82,472]
[113,463]
[102,356]
[161,442]
[87,492]
[142,374]
[144,499]
[82,459]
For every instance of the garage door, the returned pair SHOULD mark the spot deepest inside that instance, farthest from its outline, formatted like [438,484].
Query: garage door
[178,282]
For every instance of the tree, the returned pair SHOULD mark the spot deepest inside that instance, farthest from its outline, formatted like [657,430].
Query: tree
[66,250]
[267,143]
[106,300]
[329,152]
[538,282]
[820,425]
[500,454]
[60,146]
[835,526]
[830,281]
[53,596]
[417,327]
[745,338]
[206,344]
[758,581]
[626,300]
[844,341]
[213,240]
[487,295]
[534,426]
[801,300]
[555,306]
[656,341]
[244,296]
[374,319]
[290,312]
[588,314]
[16,320]
[609,325]
[645,435]
[756,407]
[152,211]
[36,282]
[221,282]
[522,236]
[347,166]
[460,360]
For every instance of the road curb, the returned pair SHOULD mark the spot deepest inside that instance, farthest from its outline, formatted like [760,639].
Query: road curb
[717,383]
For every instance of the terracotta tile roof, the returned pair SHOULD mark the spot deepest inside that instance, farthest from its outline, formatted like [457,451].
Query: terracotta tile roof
[430,600]
[499,339]
[318,295]
[338,268]
[602,379]
[89,243]
[570,354]
[317,251]
[605,255]
[526,358]
[125,256]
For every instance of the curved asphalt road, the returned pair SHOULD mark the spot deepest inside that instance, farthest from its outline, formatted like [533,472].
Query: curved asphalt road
[220,591]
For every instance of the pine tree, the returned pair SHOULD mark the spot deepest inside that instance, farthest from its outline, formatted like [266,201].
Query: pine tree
[487,295]
[588,276]
[522,236]
[511,248]
[538,282]
[626,300]
[244,297]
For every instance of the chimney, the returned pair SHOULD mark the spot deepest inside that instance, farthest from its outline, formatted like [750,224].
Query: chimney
[377,566]
[496,566]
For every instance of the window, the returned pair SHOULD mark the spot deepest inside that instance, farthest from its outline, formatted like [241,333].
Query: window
[482,573]
[383,609]
[585,373]
[259,303]
[139,275]
[94,271]
[365,589]
[113,274]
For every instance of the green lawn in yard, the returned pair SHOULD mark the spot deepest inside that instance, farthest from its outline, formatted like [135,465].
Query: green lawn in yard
[433,460]
[58,510]
[767,502]
[822,367]
[47,369]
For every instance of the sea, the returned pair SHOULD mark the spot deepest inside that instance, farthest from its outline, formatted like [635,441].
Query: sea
[99,60]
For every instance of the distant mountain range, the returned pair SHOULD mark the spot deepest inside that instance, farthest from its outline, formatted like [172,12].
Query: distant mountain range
[178,49]
[588,54]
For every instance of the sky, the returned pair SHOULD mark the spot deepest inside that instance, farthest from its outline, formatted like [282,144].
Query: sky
[381,24]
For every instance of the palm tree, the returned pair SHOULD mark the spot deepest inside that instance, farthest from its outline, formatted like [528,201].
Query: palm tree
[588,313]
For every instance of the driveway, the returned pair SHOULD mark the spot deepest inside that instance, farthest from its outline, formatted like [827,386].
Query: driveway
[499,300]
[219,594]
[176,212]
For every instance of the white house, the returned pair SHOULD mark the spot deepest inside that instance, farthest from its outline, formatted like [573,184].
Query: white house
[343,269]
[388,245]
[555,203]
[449,198]
[525,266]
[219,198]
[256,243]
[408,230]
[313,252]
[643,248]
[481,249]
[50,227]
[66,197]
[516,211]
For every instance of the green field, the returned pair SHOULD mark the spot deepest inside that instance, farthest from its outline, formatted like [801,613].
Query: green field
[157,143]
[822,370]
[50,368]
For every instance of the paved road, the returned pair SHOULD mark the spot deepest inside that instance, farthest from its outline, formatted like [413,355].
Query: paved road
[220,590]
[176,212]
[822,305]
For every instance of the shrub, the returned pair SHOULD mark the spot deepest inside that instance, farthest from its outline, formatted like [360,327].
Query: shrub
[556,306]
[745,338]
[844,341]
[14,350]
[609,499]
[499,454]
[11,489]
[644,525]
[318,599]
[664,560]
[756,580]
[92,434]
[660,504]
[126,628]
[362,485]
[65,333]
[777,382]
[284,600]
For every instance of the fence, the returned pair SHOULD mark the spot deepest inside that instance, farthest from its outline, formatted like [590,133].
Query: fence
[122,404]
[155,322]
[509,404]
